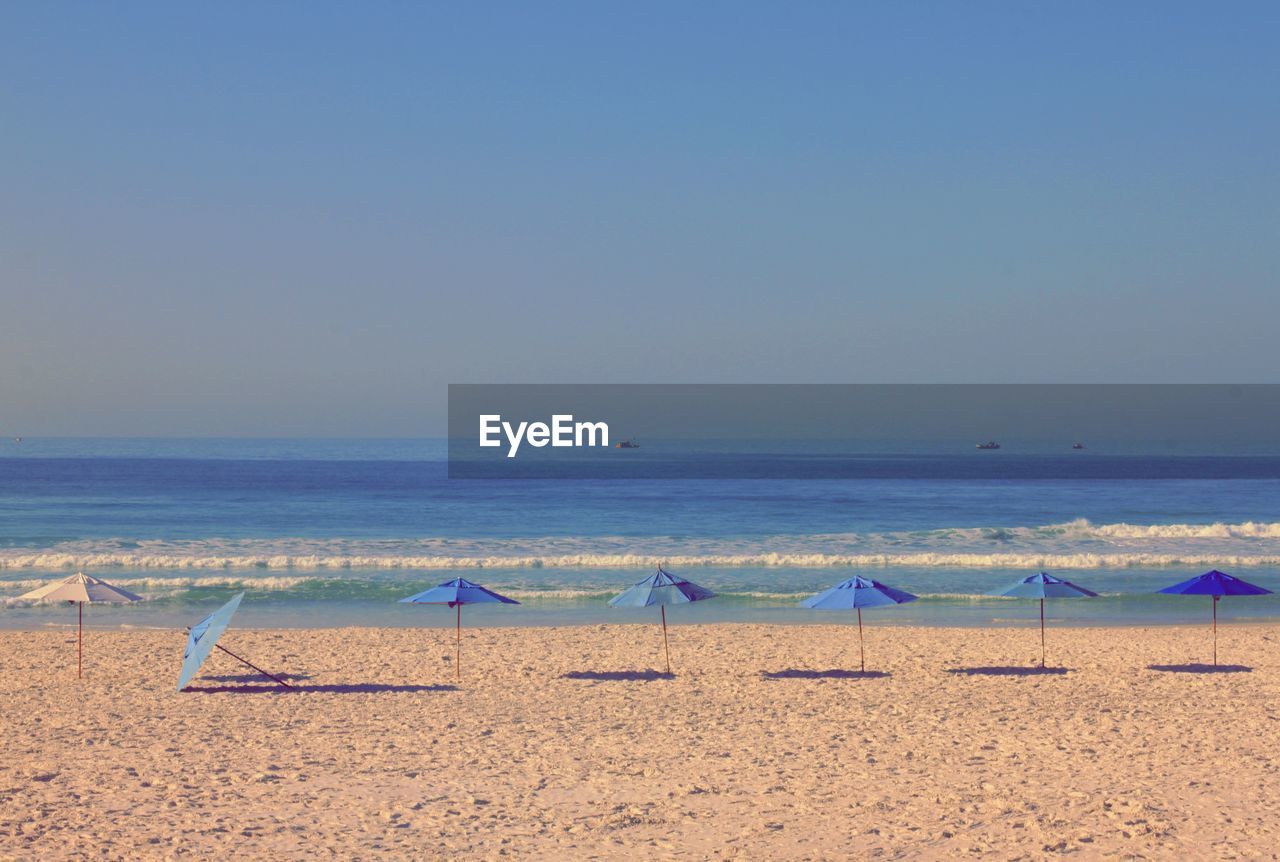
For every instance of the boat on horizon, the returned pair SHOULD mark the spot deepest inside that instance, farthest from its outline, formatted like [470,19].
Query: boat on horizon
[626,444]
[1077,445]
[990,444]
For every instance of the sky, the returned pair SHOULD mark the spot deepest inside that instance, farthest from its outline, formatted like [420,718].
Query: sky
[274,219]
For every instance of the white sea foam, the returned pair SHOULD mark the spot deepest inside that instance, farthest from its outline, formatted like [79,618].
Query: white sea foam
[1075,545]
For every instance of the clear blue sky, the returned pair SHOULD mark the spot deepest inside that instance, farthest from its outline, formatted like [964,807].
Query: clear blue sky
[303,218]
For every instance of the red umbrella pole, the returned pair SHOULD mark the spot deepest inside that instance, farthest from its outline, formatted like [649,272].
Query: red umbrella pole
[1042,633]
[458,663]
[80,644]
[862,654]
[665,645]
[1215,631]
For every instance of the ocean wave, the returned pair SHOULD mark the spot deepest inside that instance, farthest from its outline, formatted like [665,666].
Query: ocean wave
[1076,544]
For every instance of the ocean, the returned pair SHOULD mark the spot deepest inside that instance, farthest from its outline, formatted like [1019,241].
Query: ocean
[333,532]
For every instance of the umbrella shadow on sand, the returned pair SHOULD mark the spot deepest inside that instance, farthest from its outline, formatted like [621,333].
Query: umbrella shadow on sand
[798,673]
[333,688]
[252,677]
[1200,668]
[618,675]
[1008,671]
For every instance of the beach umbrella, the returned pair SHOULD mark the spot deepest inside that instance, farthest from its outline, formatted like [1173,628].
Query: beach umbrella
[1044,586]
[1215,584]
[661,589]
[455,594]
[855,594]
[79,589]
[203,637]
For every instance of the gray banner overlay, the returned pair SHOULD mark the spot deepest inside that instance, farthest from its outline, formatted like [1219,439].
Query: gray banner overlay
[807,431]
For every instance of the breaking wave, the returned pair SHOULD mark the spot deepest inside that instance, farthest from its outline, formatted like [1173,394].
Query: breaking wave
[1076,544]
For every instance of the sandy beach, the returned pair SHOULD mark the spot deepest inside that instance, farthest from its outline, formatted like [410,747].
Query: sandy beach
[567,743]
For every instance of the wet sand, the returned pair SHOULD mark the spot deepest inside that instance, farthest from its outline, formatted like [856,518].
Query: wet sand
[569,743]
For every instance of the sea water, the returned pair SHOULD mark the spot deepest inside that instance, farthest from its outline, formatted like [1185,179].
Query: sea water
[333,532]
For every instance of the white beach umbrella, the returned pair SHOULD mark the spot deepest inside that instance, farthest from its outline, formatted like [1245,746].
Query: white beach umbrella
[80,588]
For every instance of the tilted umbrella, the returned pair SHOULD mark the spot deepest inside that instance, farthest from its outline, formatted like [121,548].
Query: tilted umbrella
[1216,584]
[1044,586]
[661,589]
[455,594]
[203,637]
[855,594]
[78,589]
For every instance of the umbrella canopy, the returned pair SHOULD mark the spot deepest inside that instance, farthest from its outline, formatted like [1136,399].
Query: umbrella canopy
[455,594]
[202,637]
[855,594]
[459,591]
[661,589]
[1044,586]
[1215,584]
[79,589]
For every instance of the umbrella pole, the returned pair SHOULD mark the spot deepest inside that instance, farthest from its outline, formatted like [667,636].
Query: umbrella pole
[862,654]
[458,650]
[1042,633]
[254,666]
[80,644]
[665,645]
[1215,631]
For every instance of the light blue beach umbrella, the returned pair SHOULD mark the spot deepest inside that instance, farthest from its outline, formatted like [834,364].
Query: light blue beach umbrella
[203,637]
[661,589]
[455,594]
[1216,584]
[1044,586]
[855,594]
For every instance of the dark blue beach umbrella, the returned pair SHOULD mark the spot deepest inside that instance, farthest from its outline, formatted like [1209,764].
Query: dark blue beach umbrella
[1044,586]
[661,589]
[455,594]
[1216,584]
[855,594]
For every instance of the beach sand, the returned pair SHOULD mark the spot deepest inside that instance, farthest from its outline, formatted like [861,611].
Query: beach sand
[566,743]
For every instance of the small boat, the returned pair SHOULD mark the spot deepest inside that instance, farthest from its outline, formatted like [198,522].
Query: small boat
[17,439]
[626,444]
[1077,445]
[990,444]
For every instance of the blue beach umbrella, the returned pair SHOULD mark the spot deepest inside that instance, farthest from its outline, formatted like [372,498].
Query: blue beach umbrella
[203,637]
[1216,584]
[661,589]
[855,594]
[455,594]
[1044,586]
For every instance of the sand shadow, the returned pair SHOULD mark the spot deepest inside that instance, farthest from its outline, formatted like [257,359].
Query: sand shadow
[1008,671]
[618,675]
[797,673]
[334,688]
[254,677]
[1200,668]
